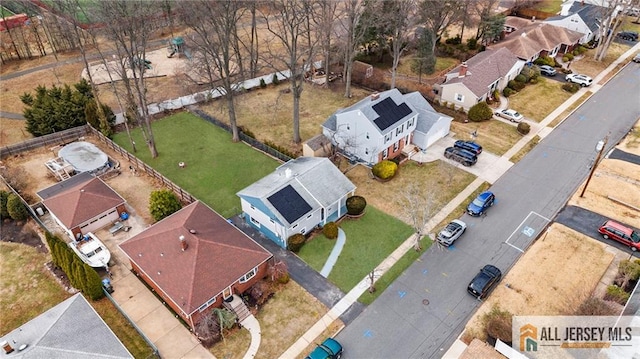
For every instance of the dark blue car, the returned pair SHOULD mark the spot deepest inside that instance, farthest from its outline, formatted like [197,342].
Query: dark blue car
[470,146]
[479,205]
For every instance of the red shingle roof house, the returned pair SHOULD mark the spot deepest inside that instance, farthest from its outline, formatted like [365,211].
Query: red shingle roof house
[194,259]
[82,204]
[537,39]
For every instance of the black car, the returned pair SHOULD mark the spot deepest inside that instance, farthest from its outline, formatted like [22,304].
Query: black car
[484,281]
[470,146]
[628,35]
[459,155]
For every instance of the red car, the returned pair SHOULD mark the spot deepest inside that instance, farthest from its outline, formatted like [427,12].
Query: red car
[620,233]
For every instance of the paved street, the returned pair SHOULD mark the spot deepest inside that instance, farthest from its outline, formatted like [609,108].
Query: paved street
[425,310]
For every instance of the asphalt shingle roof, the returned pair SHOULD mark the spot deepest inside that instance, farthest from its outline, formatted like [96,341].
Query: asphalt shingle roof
[528,41]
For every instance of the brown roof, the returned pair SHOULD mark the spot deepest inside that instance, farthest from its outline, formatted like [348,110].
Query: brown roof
[81,201]
[479,349]
[218,254]
[528,41]
[484,69]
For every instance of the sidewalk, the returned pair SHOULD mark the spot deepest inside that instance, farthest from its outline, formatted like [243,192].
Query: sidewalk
[352,297]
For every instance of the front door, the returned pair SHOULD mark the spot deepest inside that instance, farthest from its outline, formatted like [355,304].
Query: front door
[227,293]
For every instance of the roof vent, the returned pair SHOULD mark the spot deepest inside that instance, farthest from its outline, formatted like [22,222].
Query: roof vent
[183,243]
[375,96]
[192,231]
[287,173]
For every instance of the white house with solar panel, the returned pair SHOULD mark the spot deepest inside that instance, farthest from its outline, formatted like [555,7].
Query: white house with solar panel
[300,195]
[384,125]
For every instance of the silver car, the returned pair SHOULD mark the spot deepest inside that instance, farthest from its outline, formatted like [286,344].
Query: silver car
[451,232]
[511,115]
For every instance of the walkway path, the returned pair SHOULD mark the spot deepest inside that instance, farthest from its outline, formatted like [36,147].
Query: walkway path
[335,253]
[343,305]
[11,115]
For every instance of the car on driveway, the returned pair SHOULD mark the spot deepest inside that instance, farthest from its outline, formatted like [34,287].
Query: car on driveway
[620,233]
[636,58]
[484,281]
[480,204]
[470,146]
[582,80]
[628,35]
[459,155]
[548,70]
[511,115]
[329,349]
[451,232]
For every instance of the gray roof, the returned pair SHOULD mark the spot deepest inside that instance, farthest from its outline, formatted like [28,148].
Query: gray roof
[589,13]
[64,185]
[484,69]
[318,141]
[71,329]
[366,107]
[318,181]
[427,116]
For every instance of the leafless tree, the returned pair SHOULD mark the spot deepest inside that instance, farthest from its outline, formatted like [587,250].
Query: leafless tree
[438,15]
[353,30]
[419,201]
[396,17]
[214,24]
[290,47]
[136,20]
[609,23]
[325,18]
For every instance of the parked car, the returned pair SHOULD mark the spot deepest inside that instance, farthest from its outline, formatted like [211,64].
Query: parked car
[463,156]
[470,146]
[582,80]
[329,349]
[484,281]
[548,70]
[451,232]
[480,204]
[636,58]
[628,35]
[620,233]
[511,115]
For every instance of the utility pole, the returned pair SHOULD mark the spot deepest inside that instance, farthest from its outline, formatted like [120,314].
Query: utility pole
[600,147]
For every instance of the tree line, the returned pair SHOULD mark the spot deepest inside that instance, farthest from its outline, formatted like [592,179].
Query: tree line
[236,40]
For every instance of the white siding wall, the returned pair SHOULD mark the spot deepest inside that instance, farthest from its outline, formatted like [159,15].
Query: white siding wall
[263,219]
[449,92]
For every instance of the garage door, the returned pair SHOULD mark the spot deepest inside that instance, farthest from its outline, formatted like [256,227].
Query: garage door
[101,221]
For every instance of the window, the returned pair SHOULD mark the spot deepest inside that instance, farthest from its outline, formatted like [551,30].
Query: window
[211,301]
[387,137]
[294,226]
[309,216]
[252,207]
[203,307]
[255,221]
[303,231]
[396,146]
[271,220]
[249,275]
[385,153]
[459,97]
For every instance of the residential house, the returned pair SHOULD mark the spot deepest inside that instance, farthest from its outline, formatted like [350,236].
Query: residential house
[537,39]
[476,79]
[380,126]
[195,259]
[581,17]
[82,204]
[70,330]
[300,195]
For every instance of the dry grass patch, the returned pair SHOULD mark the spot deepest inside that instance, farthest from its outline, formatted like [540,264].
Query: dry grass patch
[21,65]
[631,143]
[11,90]
[537,101]
[524,150]
[553,277]
[26,287]
[268,112]
[495,136]
[385,196]
[331,331]
[12,131]
[570,109]
[588,66]
[613,179]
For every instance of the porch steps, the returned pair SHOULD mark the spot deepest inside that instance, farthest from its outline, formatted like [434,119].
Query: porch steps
[238,307]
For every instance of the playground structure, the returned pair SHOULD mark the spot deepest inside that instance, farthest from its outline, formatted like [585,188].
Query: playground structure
[177,46]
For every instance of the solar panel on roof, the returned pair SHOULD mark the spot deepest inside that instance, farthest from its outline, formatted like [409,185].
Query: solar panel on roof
[389,113]
[289,203]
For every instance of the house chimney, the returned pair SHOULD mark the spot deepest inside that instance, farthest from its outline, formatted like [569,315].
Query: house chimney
[463,70]
[375,96]
[183,243]
[7,347]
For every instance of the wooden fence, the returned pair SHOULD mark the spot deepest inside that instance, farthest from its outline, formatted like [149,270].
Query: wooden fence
[54,139]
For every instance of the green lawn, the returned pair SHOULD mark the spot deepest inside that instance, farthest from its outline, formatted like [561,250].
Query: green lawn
[216,167]
[4,12]
[370,240]
[536,101]
[550,6]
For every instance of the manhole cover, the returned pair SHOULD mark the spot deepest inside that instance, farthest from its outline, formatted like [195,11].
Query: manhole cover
[425,301]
